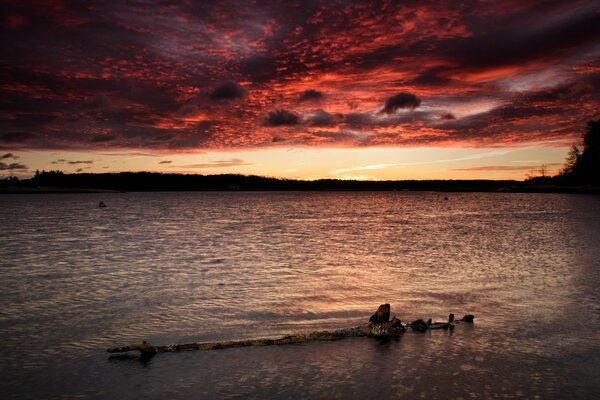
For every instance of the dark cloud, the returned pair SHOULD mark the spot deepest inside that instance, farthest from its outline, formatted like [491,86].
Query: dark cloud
[282,118]
[367,121]
[431,77]
[322,118]
[259,67]
[97,102]
[164,138]
[69,162]
[12,166]
[227,90]
[311,95]
[102,138]
[165,162]
[17,137]
[8,155]
[541,32]
[448,116]
[357,119]
[401,101]
[527,113]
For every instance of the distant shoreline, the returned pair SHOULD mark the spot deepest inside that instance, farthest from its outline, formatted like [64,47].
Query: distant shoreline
[51,190]
[58,182]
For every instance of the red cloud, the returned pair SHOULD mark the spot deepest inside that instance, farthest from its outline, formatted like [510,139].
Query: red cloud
[220,75]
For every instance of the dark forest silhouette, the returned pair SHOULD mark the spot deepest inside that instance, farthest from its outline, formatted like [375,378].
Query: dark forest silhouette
[583,160]
[153,181]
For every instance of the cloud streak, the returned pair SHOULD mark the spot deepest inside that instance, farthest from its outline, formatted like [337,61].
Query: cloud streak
[69,162]
[507,167]
[233,162]
[12,166]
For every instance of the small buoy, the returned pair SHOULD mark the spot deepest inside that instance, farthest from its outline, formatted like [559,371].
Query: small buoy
[445,197]
[101,204]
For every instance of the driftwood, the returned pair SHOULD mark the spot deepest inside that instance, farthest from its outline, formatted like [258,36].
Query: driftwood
[379,325]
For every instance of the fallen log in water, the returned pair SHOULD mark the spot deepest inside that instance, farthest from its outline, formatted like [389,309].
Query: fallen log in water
[379,325]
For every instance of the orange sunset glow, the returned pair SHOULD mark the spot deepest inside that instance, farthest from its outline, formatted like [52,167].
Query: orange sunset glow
[306,89]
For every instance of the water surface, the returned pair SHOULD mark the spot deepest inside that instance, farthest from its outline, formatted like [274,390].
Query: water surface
[179,267]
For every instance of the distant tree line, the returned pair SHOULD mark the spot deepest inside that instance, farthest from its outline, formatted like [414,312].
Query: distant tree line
[153,181]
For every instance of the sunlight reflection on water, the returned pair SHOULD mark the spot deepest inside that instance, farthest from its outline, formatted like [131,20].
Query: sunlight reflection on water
[178,267]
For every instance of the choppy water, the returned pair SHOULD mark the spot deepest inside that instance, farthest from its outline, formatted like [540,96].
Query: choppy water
[179,267]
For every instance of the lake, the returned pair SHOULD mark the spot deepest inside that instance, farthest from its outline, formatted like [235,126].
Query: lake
[76,279]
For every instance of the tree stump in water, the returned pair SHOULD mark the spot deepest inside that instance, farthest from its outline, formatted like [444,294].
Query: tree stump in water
[381,315]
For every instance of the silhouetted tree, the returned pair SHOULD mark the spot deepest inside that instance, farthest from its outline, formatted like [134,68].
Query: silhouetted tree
[572,158]
[583,161]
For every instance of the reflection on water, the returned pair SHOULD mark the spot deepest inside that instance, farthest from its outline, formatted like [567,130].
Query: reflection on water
[177,267]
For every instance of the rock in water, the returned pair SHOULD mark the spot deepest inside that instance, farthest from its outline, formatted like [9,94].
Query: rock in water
[418,326]
[381,315]
[396,323]
[468,318]
[384,329]
[146,349]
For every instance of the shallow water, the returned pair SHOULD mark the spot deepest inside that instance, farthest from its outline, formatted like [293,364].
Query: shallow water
[180,267]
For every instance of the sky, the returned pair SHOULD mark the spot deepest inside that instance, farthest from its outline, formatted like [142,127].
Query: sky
[297,89]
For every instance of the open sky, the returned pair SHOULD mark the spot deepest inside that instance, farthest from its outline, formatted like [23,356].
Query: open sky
[297,89]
